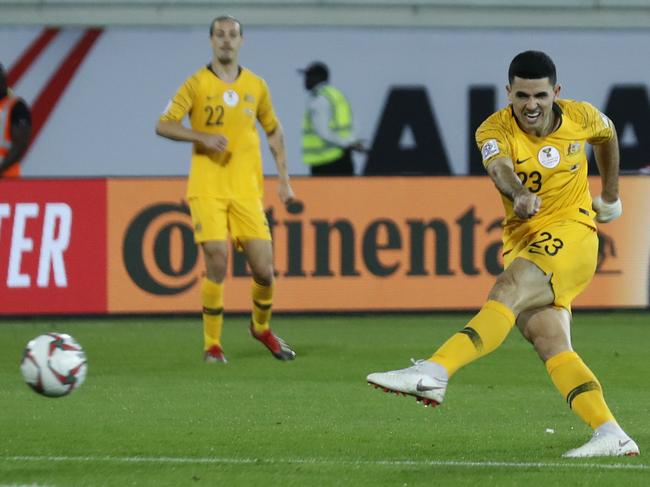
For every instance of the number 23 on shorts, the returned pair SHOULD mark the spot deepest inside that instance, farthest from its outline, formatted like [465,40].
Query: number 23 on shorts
[546,244]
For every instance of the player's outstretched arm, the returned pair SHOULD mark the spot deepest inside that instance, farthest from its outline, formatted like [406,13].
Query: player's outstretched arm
[608,205]
[276,144]
[524,203]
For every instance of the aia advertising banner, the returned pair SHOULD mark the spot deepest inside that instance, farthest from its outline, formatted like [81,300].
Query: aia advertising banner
[52,247]
[355,244]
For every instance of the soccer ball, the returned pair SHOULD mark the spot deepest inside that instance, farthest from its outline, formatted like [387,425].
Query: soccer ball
[54,364]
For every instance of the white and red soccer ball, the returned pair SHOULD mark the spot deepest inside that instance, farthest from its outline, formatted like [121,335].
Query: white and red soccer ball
[54,364]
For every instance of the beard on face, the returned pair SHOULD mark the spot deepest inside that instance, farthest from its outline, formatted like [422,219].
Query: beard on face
[225,59]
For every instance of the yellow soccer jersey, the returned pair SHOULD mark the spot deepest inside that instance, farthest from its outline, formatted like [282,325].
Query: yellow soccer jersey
[229,109]
[553,167]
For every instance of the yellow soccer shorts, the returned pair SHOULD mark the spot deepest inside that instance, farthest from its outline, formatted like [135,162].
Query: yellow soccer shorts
[216,218]
[566,249]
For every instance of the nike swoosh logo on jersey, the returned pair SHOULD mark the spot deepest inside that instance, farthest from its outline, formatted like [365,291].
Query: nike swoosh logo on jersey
[422,388]
[522,161]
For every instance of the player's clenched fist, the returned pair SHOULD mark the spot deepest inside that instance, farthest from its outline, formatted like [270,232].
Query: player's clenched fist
[525,204]
[214,142]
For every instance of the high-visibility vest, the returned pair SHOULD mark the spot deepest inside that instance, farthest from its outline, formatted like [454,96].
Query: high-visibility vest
[315,150]
[6,106]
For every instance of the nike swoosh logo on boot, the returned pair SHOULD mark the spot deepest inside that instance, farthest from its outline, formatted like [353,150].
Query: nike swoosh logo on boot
[422,388]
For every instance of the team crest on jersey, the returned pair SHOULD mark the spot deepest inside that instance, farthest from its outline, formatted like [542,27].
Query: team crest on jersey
[548,156]
[490,148]
[230,98]
[574,148]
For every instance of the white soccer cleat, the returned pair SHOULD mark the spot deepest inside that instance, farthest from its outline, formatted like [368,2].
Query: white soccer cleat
[422,381]
[605,445]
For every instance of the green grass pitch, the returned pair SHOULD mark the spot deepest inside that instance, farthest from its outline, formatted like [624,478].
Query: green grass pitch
[151,413]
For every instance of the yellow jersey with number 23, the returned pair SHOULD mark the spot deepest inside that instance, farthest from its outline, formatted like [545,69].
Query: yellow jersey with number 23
[552,167]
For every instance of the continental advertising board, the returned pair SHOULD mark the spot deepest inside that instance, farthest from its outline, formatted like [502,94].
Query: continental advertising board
[347,244]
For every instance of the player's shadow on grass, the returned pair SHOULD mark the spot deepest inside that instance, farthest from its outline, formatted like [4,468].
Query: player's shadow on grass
[310,350]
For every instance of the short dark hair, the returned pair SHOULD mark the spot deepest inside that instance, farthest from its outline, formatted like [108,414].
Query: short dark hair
[221,18]
[532,65]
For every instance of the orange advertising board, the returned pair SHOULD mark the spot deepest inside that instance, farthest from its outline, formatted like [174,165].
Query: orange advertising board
[354,244]
[623,275]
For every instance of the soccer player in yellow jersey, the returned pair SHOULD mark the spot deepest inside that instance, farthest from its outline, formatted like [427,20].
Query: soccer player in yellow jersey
[224,101]
[535,152]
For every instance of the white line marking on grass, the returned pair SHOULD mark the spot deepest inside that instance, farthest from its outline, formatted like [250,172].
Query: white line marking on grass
[23,485]
[324,461]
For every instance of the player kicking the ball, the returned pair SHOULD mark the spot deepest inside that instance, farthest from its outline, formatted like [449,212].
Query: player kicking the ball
[535,152]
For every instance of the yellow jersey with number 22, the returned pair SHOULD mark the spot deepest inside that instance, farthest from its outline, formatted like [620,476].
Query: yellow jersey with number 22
[232,110]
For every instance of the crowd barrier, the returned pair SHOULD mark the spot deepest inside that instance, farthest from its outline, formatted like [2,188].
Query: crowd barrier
[348,244]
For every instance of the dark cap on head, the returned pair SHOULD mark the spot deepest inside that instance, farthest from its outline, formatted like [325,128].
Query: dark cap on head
[317,69]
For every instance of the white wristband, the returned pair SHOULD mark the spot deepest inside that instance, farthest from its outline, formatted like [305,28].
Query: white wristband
[606,212]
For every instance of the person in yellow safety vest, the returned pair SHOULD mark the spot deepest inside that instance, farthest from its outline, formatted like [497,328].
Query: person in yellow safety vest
[15,129]
[327,133]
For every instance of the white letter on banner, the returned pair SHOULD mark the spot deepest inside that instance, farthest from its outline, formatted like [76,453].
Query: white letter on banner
[53,246]
[20,244]
[5,211]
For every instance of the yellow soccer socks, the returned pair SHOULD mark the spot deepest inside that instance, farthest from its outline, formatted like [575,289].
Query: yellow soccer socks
[262,302]
[212,300]
[483,334]
[579,386]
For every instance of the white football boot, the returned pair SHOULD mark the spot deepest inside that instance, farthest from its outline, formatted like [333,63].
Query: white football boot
[426,381]
[608,440]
